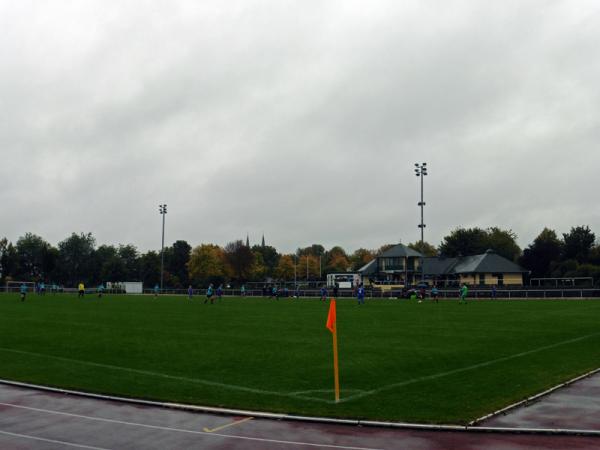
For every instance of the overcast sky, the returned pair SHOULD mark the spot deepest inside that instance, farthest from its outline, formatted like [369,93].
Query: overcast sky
[300,119]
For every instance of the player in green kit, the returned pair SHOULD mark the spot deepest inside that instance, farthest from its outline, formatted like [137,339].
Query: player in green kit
[464,290]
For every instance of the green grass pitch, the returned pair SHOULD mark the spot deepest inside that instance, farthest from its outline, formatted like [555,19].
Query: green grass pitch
[399,360]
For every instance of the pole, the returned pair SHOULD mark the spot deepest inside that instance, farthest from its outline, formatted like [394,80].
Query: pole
[421,171]
[162,253]
[422,230]
[307,268]
[336,374]
[320,269]
[163,212]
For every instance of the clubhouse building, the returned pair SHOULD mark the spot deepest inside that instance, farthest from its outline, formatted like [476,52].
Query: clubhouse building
[401,264]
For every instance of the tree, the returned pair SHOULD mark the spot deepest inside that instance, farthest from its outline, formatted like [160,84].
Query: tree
[259,269]
[75,256]
[128,255]
[207,265]
[176,261]
[34,259]
[463,242]
[285,268]
[539,256]
[313,266]
[578,243]
[8,259]
[425,248]
[314,250]
[114,270]
[475,241]
[361,257]
[336,260]
[240,259]
[270,258]
[150,268]
[503,242]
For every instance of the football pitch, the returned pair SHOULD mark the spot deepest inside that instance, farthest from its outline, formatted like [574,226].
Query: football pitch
[399,360]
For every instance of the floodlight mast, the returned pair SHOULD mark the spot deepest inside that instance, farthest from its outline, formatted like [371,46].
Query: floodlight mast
[421,171]
[163,211]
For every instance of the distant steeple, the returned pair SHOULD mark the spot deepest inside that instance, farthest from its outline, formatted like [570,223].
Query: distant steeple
[247,240]
[263,240]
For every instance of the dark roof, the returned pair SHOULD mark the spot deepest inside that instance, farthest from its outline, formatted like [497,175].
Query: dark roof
[400,251]
[488,262]
[368,268]
[438,265]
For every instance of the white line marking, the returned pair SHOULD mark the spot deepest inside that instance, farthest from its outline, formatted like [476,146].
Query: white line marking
[296,394]
[465,369]
[181,430]
[167,376]
[227,425]
[52,441]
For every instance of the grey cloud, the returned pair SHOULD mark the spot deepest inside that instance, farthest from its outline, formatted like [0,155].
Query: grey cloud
[301,120]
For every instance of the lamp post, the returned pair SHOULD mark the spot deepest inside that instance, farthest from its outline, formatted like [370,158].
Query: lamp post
[421,171]
[163,212]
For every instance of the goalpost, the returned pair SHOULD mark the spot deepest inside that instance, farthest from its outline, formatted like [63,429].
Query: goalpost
[15,286]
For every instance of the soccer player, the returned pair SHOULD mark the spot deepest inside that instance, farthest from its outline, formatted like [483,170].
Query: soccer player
[100,290]
[190,292]
[220,292]
[209,294]
[323,293]
[243,290]
[80,290]
[42,288]
[494,293]
[464,290]
[435,294]
[360,295]
[156,290]
[23,291]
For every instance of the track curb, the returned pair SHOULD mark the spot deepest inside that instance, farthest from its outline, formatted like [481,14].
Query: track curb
[470,428]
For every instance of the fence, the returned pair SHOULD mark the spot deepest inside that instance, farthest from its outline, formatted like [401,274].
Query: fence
[511,293]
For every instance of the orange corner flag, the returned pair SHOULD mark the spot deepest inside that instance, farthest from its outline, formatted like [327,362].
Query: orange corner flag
[331,316]
[331,324]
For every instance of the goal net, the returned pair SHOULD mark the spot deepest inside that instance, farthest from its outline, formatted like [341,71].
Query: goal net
[15,286]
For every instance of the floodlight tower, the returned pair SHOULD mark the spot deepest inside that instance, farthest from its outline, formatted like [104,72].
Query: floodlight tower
[163,212]
[421,171]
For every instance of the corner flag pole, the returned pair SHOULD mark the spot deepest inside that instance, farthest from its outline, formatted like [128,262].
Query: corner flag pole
[336,373]
[332,325]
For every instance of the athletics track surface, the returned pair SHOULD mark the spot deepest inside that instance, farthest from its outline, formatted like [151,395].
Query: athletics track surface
[34,419]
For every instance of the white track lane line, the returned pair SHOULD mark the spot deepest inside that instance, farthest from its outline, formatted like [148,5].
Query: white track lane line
[51,441]
[181,430]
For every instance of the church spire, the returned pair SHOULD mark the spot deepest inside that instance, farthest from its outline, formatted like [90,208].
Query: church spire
[247,240]
[263,240]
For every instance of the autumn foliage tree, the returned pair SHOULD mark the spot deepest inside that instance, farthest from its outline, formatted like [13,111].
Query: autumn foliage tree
[285,268]
[207,264]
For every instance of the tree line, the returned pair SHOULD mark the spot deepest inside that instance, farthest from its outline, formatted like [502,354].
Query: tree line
[78,258]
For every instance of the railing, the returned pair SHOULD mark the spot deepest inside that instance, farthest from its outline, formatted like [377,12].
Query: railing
[501,294]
